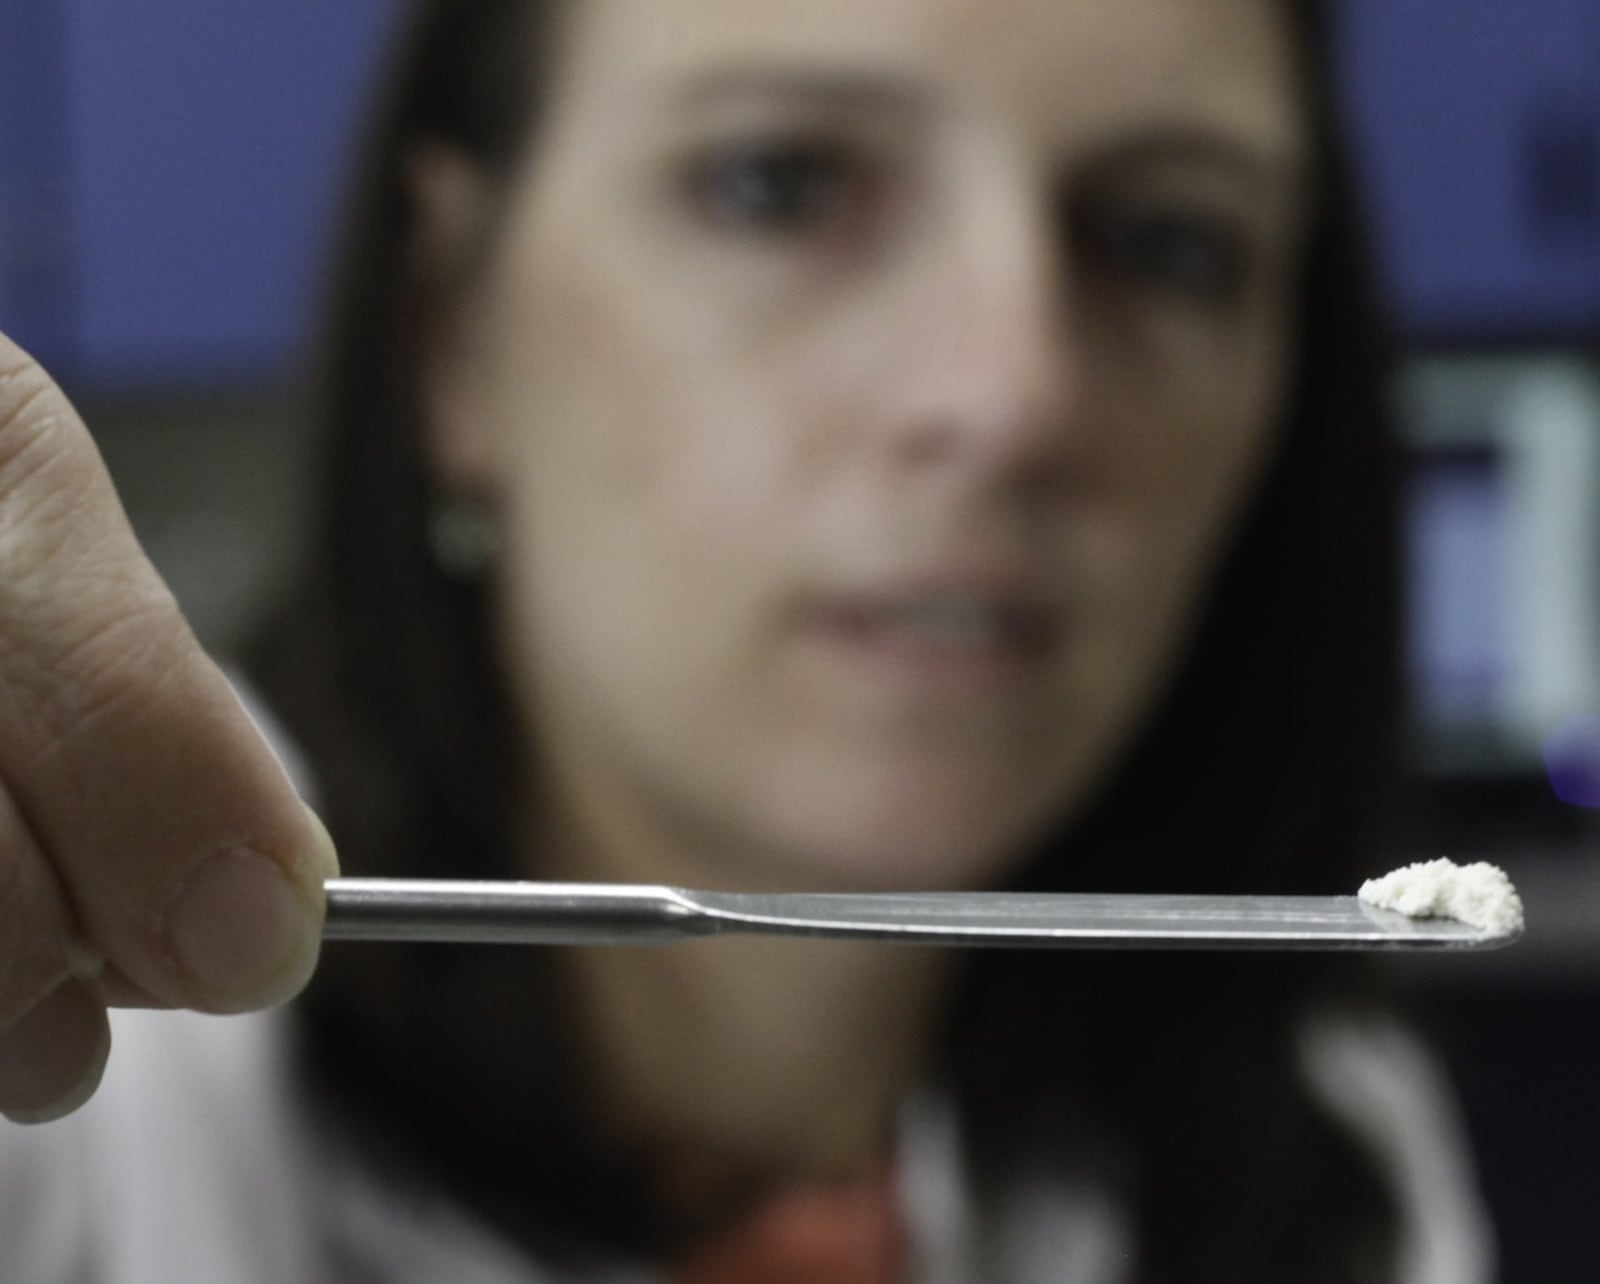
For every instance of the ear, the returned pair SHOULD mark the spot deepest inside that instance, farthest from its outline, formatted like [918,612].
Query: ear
[449,198]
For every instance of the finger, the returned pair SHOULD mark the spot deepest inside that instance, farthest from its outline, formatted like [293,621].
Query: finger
[181,846]
[53,1030]
[42,943]
[52,1059]
[119,992]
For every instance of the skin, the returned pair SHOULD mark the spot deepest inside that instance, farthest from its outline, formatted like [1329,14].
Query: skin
[800,310]
[151,851]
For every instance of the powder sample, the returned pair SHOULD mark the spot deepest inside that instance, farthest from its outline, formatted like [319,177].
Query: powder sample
[1480,894]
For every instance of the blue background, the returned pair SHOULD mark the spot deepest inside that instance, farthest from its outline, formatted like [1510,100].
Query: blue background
[186,159]
[170,171]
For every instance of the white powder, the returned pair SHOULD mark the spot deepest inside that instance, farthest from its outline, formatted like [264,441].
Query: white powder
[1480,894]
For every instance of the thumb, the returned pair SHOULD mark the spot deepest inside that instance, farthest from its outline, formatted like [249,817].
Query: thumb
[187,857]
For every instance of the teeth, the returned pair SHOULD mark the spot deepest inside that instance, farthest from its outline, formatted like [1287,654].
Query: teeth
[952,623]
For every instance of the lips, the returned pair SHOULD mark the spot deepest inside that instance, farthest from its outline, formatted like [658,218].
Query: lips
[947,623]
[944,627]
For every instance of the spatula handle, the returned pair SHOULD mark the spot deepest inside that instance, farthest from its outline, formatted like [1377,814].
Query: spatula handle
[506,913]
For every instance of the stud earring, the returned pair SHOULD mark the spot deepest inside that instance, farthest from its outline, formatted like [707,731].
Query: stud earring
[464,538]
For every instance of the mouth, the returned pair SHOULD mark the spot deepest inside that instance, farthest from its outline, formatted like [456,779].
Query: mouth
[950,635]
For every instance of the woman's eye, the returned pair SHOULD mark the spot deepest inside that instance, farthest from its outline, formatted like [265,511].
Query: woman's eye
[786,188]
[1201,257]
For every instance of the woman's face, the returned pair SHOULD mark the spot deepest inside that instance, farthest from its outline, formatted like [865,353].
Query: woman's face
[865,388]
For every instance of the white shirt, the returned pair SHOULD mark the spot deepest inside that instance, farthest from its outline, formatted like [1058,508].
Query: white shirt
[198,1163]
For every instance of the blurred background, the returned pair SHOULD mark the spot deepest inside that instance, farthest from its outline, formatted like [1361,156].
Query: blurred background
[171,172]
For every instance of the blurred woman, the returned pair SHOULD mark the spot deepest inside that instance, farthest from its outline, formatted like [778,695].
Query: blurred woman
[776,446]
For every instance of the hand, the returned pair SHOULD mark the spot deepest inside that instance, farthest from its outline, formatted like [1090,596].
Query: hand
[152,852]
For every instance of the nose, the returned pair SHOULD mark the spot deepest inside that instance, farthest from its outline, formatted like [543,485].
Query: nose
[994,362]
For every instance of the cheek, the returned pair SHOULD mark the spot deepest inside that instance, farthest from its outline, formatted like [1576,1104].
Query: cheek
[1197,441]
[634,395]
[1207,478]
[1178,477]
[638,478]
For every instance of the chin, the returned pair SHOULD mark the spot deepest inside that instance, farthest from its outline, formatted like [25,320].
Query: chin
[942,841]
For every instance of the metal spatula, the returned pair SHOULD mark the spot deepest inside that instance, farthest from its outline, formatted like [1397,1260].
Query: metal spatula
[619,914]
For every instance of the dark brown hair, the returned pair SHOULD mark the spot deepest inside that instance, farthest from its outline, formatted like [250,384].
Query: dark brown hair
[1269,767]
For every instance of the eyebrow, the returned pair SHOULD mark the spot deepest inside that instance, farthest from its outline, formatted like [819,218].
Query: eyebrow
[814,87]
[1267,164]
